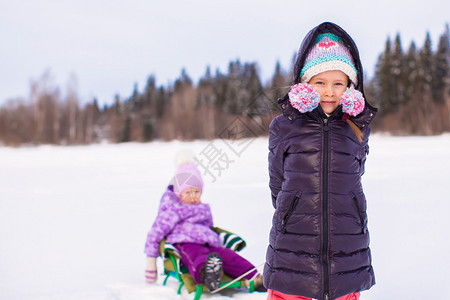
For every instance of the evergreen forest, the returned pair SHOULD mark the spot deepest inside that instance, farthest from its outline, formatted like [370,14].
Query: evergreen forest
[410,87]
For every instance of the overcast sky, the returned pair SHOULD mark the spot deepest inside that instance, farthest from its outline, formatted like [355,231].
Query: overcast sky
[108,46]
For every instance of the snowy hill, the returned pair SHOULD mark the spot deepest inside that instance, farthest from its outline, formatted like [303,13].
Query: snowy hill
[73,220]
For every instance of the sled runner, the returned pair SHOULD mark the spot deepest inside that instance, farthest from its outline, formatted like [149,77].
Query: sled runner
[174,268]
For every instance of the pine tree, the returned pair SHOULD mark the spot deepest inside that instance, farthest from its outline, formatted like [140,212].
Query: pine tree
[424,83]
[150,92]
[426,63]
[92,114]
[396,72]
[205,89]
[441,84]
[231,88]
[148,111]
[206,100]
[411,114]
[410,73]
[126,134]
[384,79]
[161,103]
[134,102]
[253,91]
[117,105]
[441,61]
[279,83]
[219,87]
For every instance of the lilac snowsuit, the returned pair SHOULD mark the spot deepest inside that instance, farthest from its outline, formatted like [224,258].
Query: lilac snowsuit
[188,228]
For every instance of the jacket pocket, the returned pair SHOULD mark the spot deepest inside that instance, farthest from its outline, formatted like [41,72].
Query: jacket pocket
[288,214]
[362,219]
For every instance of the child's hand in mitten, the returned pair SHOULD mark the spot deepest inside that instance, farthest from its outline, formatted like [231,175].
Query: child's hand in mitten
[352,102]
[304,97]
[151,270]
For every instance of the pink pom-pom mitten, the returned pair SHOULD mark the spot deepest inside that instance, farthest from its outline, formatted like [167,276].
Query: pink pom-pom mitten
[352,102]
[304,97]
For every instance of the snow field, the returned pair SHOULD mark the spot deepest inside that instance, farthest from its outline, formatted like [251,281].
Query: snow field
[73,220]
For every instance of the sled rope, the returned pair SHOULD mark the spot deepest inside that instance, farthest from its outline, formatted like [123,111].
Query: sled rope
[236,279]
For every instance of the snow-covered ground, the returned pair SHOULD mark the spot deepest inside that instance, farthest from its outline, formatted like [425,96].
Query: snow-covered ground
[73,220]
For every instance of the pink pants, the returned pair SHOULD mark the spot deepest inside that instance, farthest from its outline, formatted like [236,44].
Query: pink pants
[274,295]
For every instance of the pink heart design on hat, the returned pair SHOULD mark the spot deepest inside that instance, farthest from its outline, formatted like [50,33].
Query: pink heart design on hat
[327,45]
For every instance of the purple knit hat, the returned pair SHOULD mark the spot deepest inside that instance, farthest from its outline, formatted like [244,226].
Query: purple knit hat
[328,53]
[187,176]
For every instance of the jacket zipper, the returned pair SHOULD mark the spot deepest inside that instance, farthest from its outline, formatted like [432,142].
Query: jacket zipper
[363,224]
[289,213]
[326,275]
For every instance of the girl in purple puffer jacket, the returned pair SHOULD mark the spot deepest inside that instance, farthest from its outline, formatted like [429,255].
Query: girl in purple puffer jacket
[319,241]
[186,223]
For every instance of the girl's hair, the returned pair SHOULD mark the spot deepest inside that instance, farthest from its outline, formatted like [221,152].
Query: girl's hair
[356,129]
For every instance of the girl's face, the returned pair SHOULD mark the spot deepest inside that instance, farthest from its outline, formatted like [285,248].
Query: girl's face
[330,85]
[191,195]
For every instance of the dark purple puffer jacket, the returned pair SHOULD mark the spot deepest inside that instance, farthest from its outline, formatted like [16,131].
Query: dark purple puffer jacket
[319,242]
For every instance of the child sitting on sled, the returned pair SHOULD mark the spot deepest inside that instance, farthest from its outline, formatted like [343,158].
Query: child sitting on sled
[186,223]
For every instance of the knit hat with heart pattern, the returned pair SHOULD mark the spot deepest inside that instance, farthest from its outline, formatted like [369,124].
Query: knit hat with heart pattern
[328,53]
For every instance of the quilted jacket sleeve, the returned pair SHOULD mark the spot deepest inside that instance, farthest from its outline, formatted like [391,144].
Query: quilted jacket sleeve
[276,157]
[164,223]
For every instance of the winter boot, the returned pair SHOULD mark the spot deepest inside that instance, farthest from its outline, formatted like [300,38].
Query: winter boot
[212,271]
